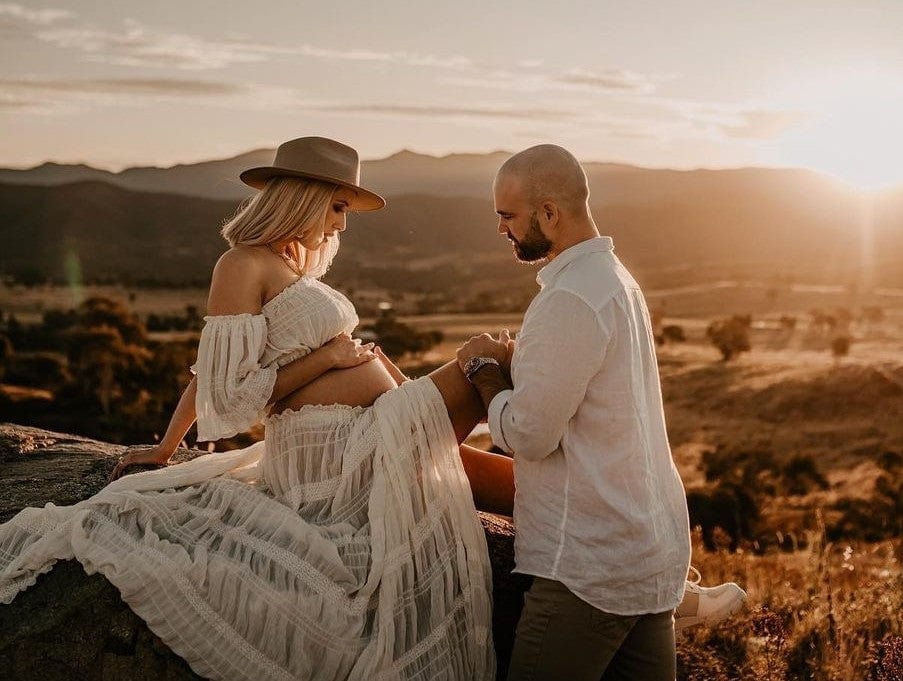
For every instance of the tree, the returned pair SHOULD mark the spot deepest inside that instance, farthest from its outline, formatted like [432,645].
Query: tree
[6,353]
[100,312]
[396,338]
[193,318]
[105,368]
[840,347]
[15,331]
[673,333]
[47,370]
[730,336]
[788,322]
[801,474]
[728,506]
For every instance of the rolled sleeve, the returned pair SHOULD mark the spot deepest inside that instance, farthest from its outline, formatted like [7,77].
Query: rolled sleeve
[496,408]
[559,349]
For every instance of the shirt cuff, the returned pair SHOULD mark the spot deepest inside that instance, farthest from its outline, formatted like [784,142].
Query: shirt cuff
[494,416]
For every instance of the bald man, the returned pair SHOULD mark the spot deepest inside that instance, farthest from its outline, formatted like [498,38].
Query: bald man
[600,511]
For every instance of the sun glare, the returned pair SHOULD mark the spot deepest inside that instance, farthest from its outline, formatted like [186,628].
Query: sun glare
[855,131]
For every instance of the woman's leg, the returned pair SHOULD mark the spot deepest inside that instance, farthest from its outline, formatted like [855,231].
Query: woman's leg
[491,476]
[462,401]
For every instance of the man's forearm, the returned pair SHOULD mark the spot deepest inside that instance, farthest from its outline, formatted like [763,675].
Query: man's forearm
[489,381]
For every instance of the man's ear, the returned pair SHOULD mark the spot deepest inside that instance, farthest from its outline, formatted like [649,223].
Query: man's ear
[549,214]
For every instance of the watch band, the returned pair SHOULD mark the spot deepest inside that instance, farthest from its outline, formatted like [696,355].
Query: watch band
[474,364]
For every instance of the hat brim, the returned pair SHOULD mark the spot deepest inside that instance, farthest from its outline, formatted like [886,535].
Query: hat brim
[364,199]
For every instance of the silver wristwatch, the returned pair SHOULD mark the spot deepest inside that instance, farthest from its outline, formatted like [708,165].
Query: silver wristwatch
[474,364]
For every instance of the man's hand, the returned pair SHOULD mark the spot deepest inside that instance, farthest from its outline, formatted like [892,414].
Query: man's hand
[485,345]
[490,380]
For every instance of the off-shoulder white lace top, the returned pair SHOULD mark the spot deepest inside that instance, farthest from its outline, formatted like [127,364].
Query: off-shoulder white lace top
[238,355]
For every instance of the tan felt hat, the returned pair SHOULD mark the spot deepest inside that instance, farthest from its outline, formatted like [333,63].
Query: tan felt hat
[317,158]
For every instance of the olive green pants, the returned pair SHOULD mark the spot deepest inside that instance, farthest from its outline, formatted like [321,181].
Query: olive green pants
[559,636]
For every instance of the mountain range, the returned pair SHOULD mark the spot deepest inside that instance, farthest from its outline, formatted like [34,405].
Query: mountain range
[161,224]
[402,173]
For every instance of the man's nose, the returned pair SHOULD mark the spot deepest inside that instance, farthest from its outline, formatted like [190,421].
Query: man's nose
[501,227]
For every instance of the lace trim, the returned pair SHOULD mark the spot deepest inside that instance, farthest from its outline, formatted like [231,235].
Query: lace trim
[424,528]
[237,315]
[439,633]
[423,584]
[11,589]
[325,412]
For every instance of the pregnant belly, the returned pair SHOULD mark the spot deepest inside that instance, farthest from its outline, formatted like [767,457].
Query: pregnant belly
[357,386]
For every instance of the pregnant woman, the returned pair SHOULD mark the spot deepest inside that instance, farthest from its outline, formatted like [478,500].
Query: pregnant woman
[345,545]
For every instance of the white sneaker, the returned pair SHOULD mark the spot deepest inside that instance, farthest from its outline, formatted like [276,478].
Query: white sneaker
[713,603]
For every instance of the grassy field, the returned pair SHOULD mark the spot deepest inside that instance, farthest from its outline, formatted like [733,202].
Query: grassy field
[695,301]
[830,612]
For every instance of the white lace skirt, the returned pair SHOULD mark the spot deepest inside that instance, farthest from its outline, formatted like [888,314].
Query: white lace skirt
[344,546]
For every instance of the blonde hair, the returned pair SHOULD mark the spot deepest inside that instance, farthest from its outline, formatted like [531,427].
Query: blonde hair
[286,208]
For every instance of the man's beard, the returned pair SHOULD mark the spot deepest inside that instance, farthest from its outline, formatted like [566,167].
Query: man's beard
[534,246]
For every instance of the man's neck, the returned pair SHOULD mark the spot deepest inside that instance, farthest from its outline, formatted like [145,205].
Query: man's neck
[573,236]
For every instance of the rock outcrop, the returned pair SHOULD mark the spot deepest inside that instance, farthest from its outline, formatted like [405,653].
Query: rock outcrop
[73,626]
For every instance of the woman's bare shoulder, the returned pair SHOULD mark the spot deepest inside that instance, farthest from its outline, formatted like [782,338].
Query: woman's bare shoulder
[238,279]
[243,257]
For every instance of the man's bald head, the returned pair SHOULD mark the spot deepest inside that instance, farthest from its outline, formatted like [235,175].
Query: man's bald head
[548,172]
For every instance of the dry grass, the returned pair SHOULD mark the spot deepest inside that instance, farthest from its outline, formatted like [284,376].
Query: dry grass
[831,612]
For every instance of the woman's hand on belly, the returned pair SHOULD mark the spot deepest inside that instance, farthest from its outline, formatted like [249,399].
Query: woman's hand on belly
[347,352]
[358,385]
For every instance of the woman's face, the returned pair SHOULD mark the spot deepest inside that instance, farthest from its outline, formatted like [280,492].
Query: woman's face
[335,220]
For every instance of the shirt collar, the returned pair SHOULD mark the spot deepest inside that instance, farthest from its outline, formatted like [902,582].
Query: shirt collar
[596,244]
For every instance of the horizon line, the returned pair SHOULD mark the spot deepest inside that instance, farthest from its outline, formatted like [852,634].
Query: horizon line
[406,150]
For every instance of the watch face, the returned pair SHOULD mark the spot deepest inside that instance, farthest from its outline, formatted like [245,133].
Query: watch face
[474,364]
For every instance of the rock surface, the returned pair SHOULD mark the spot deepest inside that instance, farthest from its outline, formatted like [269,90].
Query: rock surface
[73,626]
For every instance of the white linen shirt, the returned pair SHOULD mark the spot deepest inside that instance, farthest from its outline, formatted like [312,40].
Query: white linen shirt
[599,506]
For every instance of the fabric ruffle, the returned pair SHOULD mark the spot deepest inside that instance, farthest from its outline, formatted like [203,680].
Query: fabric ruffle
[344,546]
[233,387]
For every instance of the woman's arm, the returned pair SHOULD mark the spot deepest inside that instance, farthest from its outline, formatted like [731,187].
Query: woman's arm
[181,420]
[341,352]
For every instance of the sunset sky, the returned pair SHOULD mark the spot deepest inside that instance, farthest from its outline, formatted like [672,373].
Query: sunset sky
[808,83]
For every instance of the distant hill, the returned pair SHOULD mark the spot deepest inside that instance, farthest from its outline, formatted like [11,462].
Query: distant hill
[454,175]
[212,179]
[401,173]
[96,231]
[699,225]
